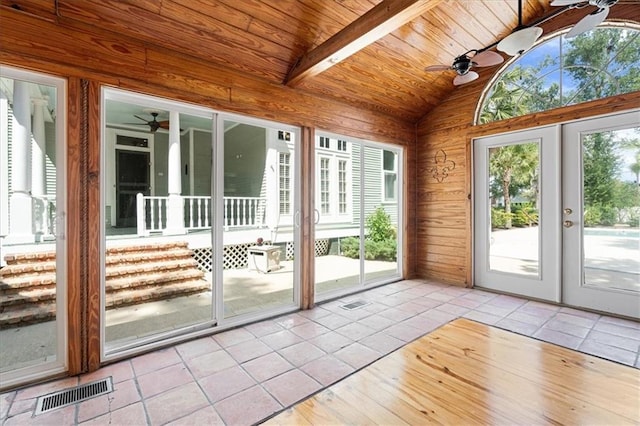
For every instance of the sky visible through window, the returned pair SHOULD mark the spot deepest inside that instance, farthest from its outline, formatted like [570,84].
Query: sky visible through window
[560,72]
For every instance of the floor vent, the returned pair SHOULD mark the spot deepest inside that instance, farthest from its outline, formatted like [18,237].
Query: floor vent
[70,396]
[354,305]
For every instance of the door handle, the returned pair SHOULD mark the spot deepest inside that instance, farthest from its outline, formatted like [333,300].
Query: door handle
[567,223]
[568,211]
[316,213]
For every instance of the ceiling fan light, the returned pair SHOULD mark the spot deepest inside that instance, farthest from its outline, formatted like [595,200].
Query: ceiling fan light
[519,41]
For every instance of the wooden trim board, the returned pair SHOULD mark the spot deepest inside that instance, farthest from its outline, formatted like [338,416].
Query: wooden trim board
[471,373]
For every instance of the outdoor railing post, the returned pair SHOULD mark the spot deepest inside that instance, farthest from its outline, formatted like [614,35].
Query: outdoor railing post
[140,213]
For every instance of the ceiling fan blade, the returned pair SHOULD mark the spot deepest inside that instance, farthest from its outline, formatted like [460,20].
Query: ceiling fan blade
[432,68]
[137,124]
[164,124]
[566,2]
[588,23]
[140,118]
[467,78]
[487,59]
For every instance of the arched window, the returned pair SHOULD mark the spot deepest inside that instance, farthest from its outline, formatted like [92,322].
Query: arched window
[560,72]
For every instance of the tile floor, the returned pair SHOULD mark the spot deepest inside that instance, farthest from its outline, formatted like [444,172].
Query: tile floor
[245,375]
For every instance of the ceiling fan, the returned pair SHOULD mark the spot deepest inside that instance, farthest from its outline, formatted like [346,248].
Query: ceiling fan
[462,65]
[153,124]
[591,20]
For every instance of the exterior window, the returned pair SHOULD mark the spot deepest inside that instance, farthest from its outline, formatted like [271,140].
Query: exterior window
[324,142]
[342,145]
[284,136]
[285,183]
[342,186]
[324,186]
[390,171]
[559,72]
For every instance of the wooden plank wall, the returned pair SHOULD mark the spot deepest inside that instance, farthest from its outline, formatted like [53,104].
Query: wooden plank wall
[443,209]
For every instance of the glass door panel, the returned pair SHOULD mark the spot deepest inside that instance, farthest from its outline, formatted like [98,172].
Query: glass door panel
[258,271]
[514,190]
[32,229]
[602,207]
[358,213]
[516,213]
[381,210]
[158,220]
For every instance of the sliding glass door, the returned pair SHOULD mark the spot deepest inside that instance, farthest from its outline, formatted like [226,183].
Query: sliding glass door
[33,342]
[257,210]
[358,214]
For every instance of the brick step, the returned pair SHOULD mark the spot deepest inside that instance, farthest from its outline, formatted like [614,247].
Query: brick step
[20,258]
[135,296]
[35,295]
[146,268]
[145,248]
[33,268]
[21,283]
[153,256]
[118,284]
[15,316]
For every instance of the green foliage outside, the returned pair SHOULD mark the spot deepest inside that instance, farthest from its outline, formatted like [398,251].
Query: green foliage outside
[520,90]
[380,242]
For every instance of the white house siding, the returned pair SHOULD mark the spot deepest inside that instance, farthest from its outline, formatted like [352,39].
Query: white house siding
[201,163]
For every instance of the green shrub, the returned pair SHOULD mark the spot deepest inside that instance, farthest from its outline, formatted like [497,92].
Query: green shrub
[525,215]
[379,226]
[380,242]
[599,215]
[350,247]
[499,218]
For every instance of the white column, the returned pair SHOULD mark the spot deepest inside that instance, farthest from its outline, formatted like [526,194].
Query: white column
[175,206]
[20,226]
[38,149]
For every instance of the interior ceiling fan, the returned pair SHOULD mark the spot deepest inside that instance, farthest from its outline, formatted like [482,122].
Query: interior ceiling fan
[153,124]
[463,64]
[591,20]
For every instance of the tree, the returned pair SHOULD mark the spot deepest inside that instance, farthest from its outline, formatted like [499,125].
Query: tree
[513,166]
[601,164]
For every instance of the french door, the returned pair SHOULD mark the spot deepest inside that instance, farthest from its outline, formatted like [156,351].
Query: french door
[516,210]
[561,230]
[601,236]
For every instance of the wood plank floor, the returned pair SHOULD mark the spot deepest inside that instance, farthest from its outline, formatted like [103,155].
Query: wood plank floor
[470,373]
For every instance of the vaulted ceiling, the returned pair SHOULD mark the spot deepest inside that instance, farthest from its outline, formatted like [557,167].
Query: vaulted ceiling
[368,53]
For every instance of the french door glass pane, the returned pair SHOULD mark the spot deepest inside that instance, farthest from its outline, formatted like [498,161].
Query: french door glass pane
[611,209]
[30,265]
[158,215]
[514,192]
[258,220]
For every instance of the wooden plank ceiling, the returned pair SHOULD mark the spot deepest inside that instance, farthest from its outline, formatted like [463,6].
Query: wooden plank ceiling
[268,39]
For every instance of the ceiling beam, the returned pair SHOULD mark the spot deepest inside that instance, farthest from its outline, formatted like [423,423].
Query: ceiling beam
[384,18]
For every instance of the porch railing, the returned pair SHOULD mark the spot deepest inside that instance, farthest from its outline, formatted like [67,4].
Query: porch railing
[44,216]
[239,212]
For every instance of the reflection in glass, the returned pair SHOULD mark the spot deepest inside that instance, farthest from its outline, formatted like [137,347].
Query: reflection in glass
[29,268]
[611,211]
[514,202]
